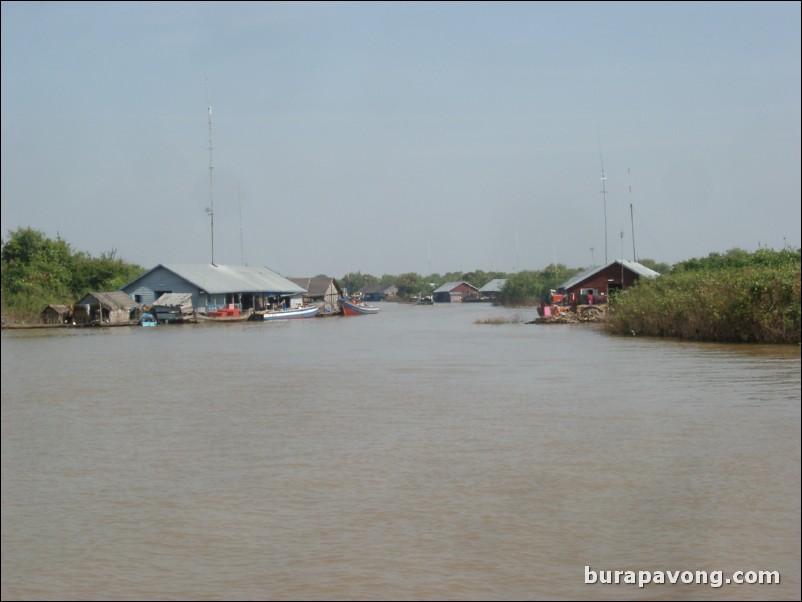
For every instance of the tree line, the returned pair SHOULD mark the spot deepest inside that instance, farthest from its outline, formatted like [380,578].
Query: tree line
[734,296]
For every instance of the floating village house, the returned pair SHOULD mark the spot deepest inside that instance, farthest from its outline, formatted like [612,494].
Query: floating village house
[492,290]
[455,292]
[107,308]
[216,286]
[322,291]
[601,281]
[378,292]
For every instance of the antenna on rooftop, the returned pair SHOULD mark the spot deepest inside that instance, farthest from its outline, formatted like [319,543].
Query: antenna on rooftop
[631,220]
[241,243]
[604,196]
[517,250]
[210,210]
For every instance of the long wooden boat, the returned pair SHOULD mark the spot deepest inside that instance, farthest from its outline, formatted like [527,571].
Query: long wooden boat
[291,313]
[223,317]
[357,308]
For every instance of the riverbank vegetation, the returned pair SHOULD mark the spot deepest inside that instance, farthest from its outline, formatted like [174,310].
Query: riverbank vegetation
[733,297]
[37,271]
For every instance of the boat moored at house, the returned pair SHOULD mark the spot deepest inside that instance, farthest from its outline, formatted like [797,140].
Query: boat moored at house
[290,313]
[224,315]
[351,307]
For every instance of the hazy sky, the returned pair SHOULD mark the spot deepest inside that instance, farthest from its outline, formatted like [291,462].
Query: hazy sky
[402,137]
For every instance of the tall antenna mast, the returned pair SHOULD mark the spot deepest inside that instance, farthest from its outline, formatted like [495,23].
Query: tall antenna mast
[604,196]
[210,210]
[517,250]
[241,243]
[631,220]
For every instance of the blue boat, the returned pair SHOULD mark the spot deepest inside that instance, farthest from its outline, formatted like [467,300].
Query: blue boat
[147,319]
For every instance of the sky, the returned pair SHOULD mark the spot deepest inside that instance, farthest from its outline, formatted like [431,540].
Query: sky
[394,137]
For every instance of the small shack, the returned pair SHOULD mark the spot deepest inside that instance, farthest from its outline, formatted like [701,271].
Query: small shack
[322,291]
[57,314]
[112,308]
[173,307]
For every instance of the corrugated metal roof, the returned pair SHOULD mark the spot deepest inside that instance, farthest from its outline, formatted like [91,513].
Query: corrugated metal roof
[174,299]
[633,266]
[220,279]
[641,269]
[494,286]
[450,286]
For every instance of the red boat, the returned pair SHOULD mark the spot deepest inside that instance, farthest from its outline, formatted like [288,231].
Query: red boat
[357,308]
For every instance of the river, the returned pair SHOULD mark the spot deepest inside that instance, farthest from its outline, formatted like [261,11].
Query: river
[414,454]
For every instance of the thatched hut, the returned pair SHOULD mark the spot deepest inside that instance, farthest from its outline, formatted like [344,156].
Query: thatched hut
[56,314]
[115,307]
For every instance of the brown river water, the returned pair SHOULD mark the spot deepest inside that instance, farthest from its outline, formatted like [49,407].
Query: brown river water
[414,454]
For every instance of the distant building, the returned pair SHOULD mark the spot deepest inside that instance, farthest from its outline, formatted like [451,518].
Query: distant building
[492,290]
[455,292]
[214,286]
[601,281]
[378,292]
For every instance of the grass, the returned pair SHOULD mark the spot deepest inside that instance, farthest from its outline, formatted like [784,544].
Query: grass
[497,320]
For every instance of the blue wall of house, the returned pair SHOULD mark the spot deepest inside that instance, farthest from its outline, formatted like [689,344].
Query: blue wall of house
[149,287]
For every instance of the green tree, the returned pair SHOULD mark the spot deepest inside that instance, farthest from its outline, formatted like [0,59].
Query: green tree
[660,268]
[37,271]
[353,281]
[411,285]
[530,287]
[522,288]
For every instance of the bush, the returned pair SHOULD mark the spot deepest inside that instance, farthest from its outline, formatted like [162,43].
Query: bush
[745,300]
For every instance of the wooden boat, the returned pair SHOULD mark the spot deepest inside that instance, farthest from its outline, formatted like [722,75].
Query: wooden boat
[224,316]
[357,308]
[147,319]
[291,313]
